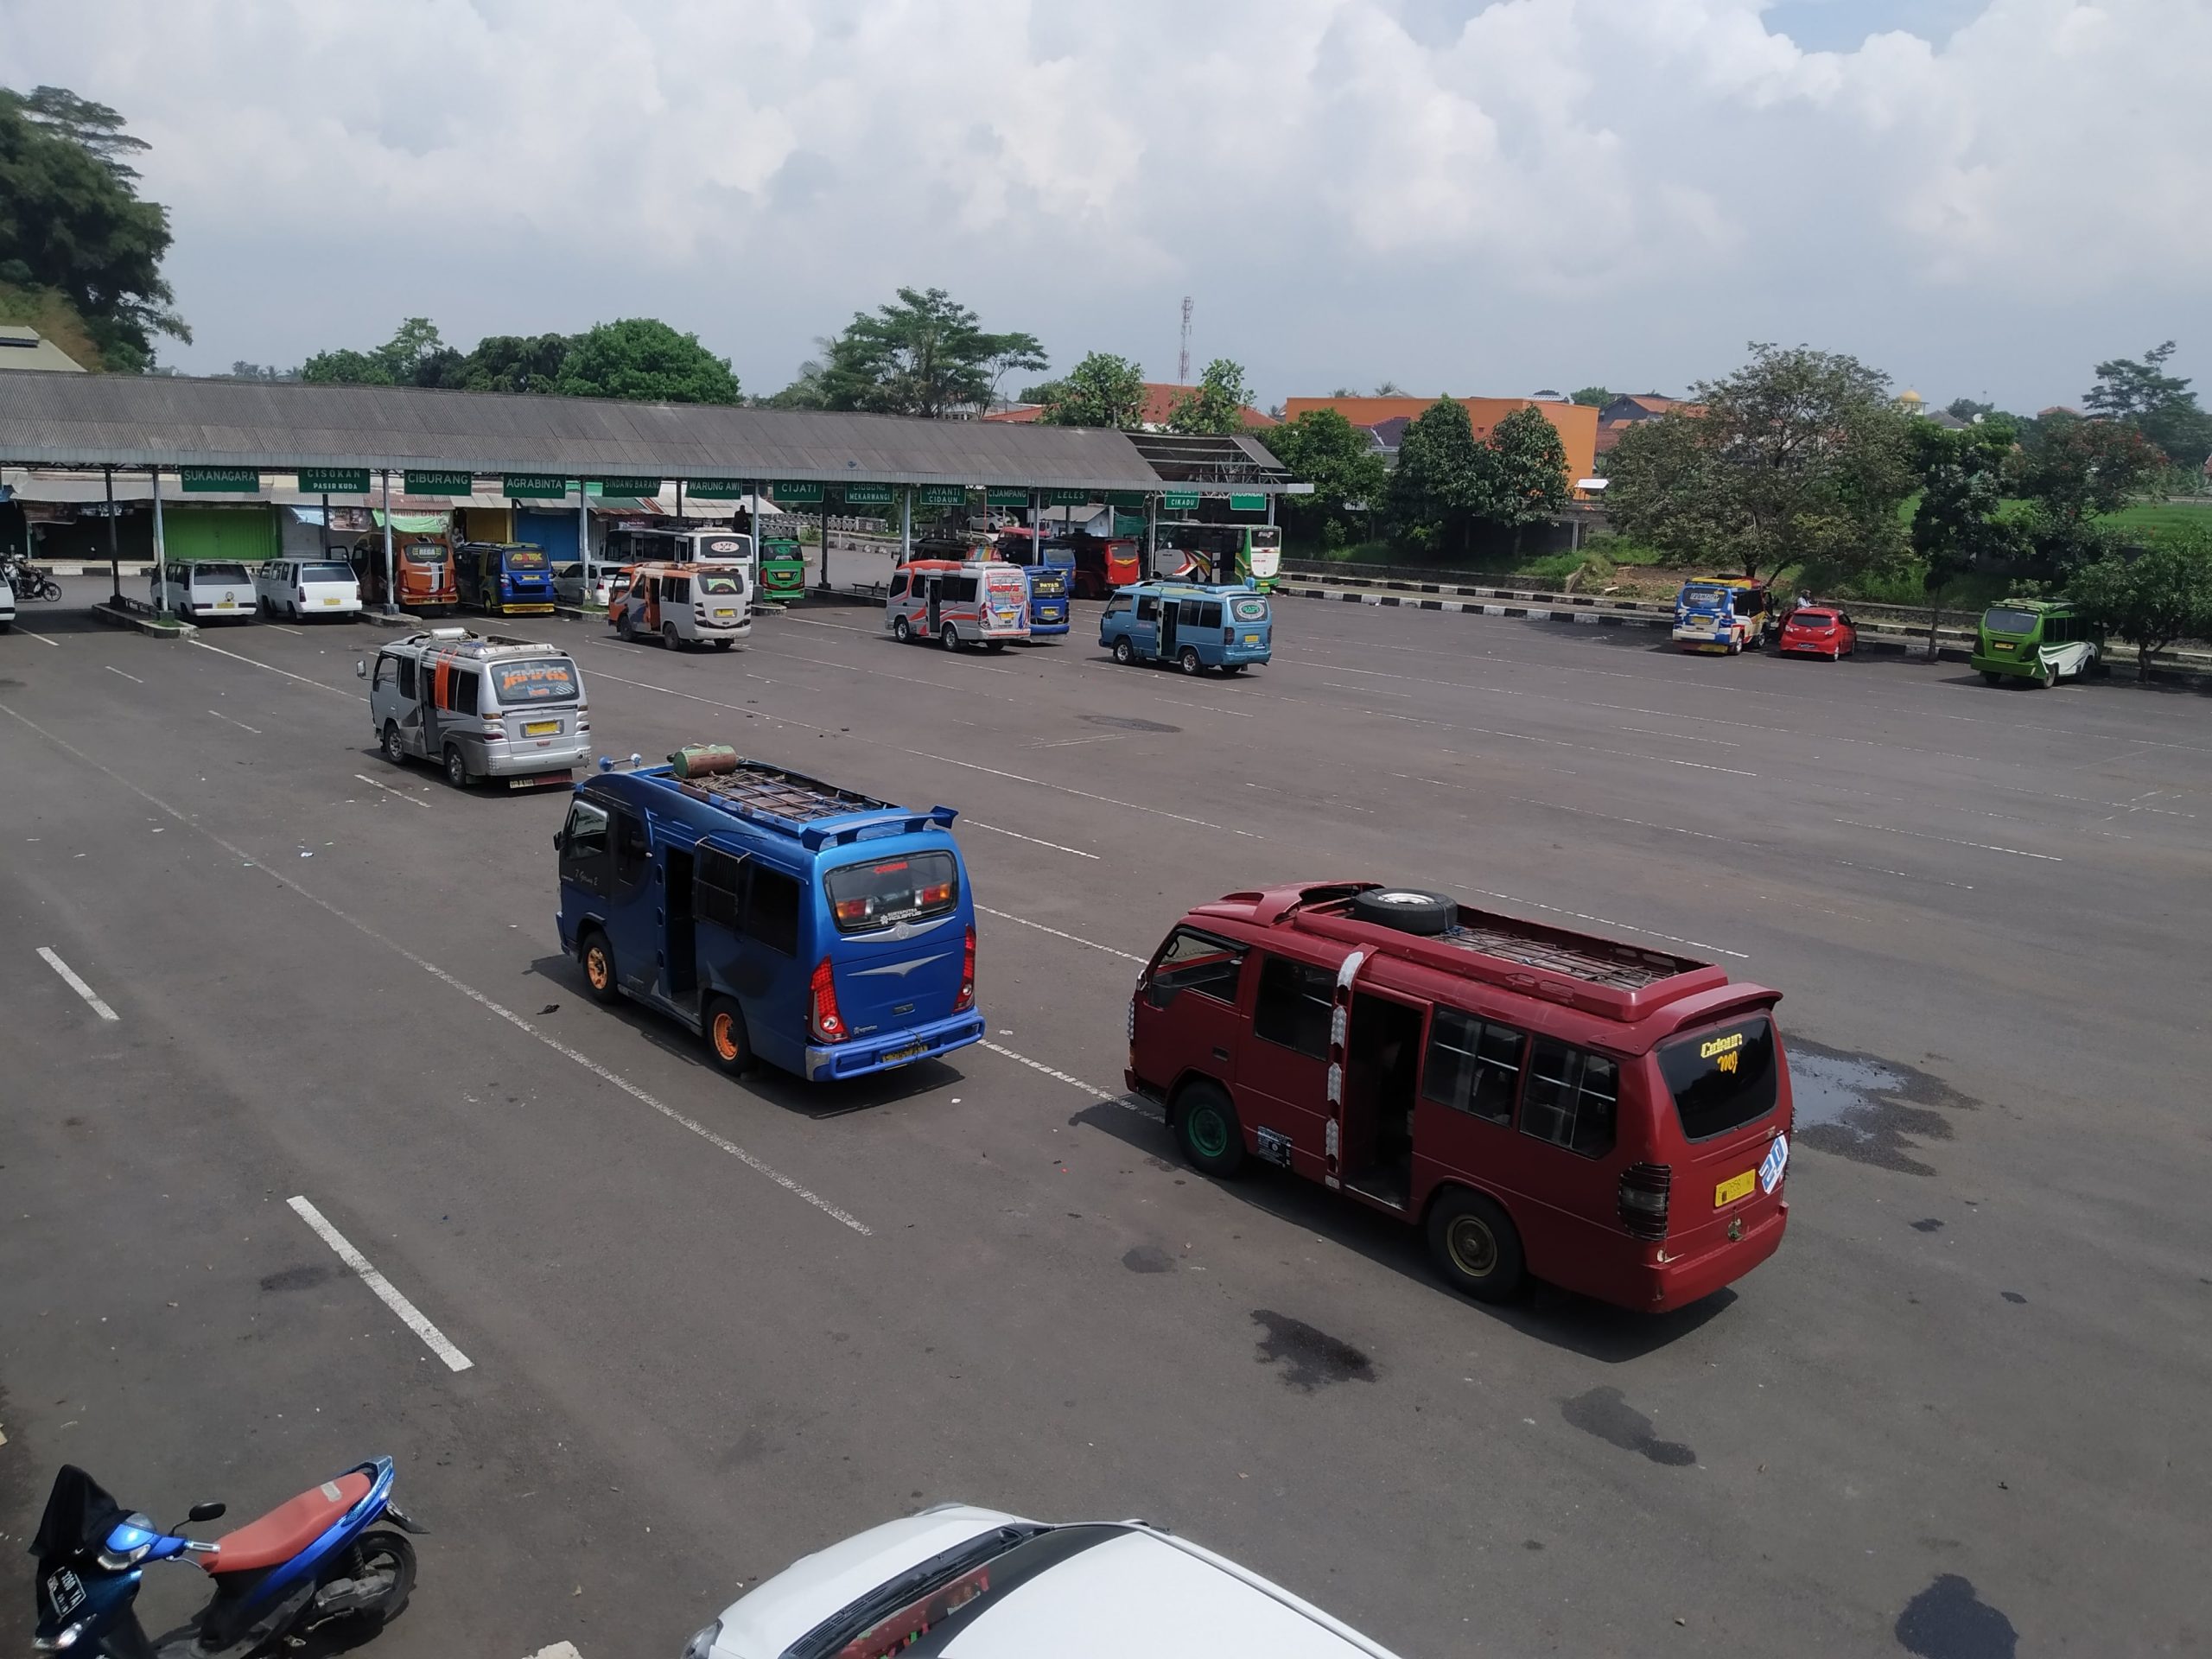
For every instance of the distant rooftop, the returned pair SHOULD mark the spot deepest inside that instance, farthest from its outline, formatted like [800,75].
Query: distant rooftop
[26,348]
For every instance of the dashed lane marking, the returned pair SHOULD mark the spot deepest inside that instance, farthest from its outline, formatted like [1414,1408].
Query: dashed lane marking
[977,823]
[241,725]
[255,662]
[1071,938]
[113,669]
[1983,846]
[415,800]
[410,1315]
[40,638]
[758,1165]
[1059,1076]
[69,978]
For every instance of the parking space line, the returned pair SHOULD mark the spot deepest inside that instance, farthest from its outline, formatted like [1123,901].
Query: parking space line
[281,628]
[977,823]
[240,724]
[1983,846]
[113,669]
[1072,939]
[40,638]
[1059,1076]
[416,800]
[254,662]
[69,978]
[758,1165]
[385,1292]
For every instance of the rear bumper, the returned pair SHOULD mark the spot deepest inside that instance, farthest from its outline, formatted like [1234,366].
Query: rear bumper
[892,1050]
[1691,1279]
[2025,668]
[1246,653]
[560,754]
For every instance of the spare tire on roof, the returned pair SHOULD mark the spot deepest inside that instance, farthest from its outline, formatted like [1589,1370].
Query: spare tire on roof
[1409,909]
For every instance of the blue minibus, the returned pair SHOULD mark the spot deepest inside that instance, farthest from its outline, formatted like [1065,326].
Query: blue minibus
[779,917]
[1194,625]
[504,578]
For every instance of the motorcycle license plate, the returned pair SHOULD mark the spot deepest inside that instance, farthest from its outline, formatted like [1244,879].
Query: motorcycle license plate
[541,728]
[65,1594]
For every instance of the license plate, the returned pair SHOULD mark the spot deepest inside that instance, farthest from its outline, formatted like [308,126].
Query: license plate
[541,728]
[330,601]
[1251,639]
[64,1592]
[900,1056]
[725,616]
[1735,1187]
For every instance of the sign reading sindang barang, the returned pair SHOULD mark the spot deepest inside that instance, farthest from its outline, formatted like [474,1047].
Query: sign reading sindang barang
[999,495]
[332,481]
[1180,500]
[866,495]
[714,489]
[1125,498]
[640,487]
[533,486]
[1248,504]
[941,495]
[787,494]
[204,479]
[438,483]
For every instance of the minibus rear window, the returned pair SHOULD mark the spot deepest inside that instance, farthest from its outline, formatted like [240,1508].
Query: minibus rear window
[2004,618]
[221,572]
[709,583]
[326,572]
[913,886]
[1251,610]
[1722,1079]
[551,680]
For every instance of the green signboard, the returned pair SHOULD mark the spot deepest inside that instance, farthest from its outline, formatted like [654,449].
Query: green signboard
[787,494]
[1069,497]
[1125,498]
[714,489]
[866,495]
[941,495]
[1248,504]
[1180,500]
[439,483]
[999,495]
[334,480]
[640,487]
[198,480]
[534,486]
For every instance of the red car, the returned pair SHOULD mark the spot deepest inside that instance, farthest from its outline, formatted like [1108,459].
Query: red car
[1818,630]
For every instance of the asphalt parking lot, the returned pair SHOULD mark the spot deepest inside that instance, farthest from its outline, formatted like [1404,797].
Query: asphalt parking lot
[709,1327]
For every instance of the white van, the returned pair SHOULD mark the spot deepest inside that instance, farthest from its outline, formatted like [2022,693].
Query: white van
[978,602]
[686,604]
[7,600]
[300,588]
[202,589]
[481,705]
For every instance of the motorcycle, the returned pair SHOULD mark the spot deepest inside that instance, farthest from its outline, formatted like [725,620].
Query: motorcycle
[320,1557]
[30,581]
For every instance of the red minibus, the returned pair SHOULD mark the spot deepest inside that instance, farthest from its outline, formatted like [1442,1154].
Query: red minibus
[1608,1118]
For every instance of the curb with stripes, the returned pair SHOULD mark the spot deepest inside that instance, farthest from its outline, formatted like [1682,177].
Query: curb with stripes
[1415,601]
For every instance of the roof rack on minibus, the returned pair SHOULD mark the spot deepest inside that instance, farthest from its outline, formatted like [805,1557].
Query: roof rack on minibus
[816,813]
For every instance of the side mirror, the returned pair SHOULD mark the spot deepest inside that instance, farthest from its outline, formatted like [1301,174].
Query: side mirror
[206,1512]
[1157,995]
[560,839]
[360,668]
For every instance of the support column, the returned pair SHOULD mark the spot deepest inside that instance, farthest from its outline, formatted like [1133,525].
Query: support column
[583,540]
[160,546]
[906,525]
[1151,534]
[114,557]
[325,526]
[391,590]
[679,498]
[824,583]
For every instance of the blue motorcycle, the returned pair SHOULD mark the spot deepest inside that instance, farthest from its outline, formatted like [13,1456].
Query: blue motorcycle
[320,1557]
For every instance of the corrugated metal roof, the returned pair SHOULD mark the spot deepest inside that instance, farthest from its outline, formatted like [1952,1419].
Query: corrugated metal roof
[142,420]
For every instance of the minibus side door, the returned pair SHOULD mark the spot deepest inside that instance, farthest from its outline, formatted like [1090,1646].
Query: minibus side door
[633,902]
[1184,1020]
[1169,614]
[1282,1062]
[936,605]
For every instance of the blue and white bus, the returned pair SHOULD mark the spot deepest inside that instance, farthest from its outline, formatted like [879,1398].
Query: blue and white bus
[779,917]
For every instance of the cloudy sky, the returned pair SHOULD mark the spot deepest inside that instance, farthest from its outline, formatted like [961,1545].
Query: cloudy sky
[1982,197]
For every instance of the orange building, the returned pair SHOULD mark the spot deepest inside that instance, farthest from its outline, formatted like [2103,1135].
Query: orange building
[1576,422]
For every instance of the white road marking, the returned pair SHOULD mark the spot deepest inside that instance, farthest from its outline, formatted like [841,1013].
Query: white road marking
[69,977]
[240,724]
[280,627]
[1072,939]
[40,638]
[413,799]
[469,991]
[1058,1075]
[113,669]
[410,1315]
[978,823]
[2048,858]
[251,662]
[1071,742]
[1679,737]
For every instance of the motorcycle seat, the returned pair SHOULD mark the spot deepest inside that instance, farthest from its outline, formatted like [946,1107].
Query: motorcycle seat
[288,1529]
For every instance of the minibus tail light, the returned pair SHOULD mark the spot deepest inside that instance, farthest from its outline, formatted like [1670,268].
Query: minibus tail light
[828,1024]
[966,1000]
[1644,1199]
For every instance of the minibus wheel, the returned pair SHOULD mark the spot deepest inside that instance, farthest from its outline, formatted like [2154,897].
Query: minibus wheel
[727,1042]
[1122,652]
[949,637]
[394,750]
[1988,678]
[1187,660]
[993,646]
[1476,1246]
[597,958]
[456,766]
[900,630]
[1207,1130]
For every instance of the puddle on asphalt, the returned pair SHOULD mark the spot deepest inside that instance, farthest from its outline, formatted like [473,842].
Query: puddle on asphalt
[1309,1358]
[1127,723]
[1874,1111]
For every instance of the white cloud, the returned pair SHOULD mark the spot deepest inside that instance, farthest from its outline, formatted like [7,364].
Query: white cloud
[1484,196]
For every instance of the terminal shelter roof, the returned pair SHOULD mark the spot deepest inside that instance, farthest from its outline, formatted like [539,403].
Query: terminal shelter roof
[97,420]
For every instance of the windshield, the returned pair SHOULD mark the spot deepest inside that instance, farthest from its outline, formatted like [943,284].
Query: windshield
[1813,619]
[326,572]
[1723,1078]
[926,1608]
[2007,619]
[545,679]
[911,887]
[526,558]
[1704,599]
[712,582]
[1251,610]
[219,572]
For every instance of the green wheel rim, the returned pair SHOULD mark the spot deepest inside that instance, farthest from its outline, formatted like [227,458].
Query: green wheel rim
[1209,1131]
[1473,1247]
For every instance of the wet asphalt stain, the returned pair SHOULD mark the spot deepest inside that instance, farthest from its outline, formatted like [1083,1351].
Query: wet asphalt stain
[1604,1412]
[1531,1544]
[1929,1225]
[301,1278]
[1872,1111]
[1148,1258]
[1947,1620]
[1310,1358]
[2014,1297]
[1127,723]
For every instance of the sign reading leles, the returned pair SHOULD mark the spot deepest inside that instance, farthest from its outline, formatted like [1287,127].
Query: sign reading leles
[534,486]
[334,480]
[438,483]
[1068,498]
[199,480]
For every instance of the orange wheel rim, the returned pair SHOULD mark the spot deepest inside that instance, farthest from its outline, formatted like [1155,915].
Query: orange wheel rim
[596,966]
[724,1037]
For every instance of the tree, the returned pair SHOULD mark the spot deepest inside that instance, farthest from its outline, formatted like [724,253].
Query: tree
[1799,457]
[1349,476]
[927,354]
[1526,467]
[1388,389]
[71,221]
[1216,405]
[2161,594]
[2139,392]
[1593,396]
[2075,469]
[1957,525]
[1440,487]
[415,348]
[644,359]
[1100,390]
[1965,408]
[510,363]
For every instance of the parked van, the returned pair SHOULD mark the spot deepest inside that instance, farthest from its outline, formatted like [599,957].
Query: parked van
[7,597]
[202,589]
[685,605]
[1539,1101]
[2041,641]
[481,705]
[304,587]
[777,916]
[958,602]
[421,566]
[1720,613]
[504,578]
[1193,626]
